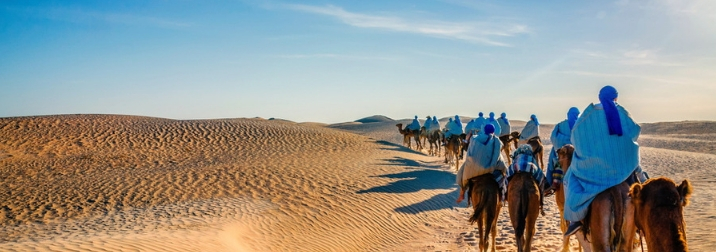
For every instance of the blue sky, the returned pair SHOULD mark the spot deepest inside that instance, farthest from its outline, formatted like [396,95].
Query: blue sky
[337,61]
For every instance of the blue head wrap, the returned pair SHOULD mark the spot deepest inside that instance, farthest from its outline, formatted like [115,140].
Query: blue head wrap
[449,119]
[572,116]
[606,97]
[489,129]
[480,114]
[435,118]
[534,118]
[503,115]
[492,117]
[416,117]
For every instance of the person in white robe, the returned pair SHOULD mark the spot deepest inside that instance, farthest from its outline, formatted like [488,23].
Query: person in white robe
[530,130]
[436,123]
[504,124]
[483,157]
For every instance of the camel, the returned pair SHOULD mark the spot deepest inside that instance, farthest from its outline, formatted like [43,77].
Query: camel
[434,140]
[463,146]
[537,149]
[423,135]
[506,139]
[659,213]
[564,155]
[407,134]
[523,195]
[452,150]
[485,198]
[609,224]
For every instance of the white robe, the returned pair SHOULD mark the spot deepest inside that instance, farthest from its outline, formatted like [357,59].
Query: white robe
[504,126]
[481,158]
[531,130]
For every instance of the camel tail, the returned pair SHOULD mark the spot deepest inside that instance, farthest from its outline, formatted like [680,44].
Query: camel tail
[617,220]
[522,215]
[479,208]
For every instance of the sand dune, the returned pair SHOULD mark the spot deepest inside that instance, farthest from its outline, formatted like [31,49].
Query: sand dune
[128,183]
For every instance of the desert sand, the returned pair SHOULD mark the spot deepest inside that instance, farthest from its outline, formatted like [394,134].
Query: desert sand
[130,183]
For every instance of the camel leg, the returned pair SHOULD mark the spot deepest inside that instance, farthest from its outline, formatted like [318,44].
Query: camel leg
[599,223]
[629,227]
[584,245]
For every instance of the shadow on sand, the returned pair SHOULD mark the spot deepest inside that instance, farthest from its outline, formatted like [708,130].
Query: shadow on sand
[399,161]
[396,147]
[437,202]
[420,176]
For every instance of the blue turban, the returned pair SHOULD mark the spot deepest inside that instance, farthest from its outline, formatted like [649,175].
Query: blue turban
[489,129]
[480,114]
[435,118]
[572,116]
[416,117]
[534,118]
[606,97]
[503,115]
[492,117]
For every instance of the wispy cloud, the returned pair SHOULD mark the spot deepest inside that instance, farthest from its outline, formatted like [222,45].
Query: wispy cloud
[332,56]
[474,32]
[631,57]
[76,15]
[628,76]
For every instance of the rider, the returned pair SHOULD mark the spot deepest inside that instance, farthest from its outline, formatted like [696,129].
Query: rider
[435,124]
[446,132]
[491,120]
[483,157]
[561,135]
[415,125]
[605,154]
[458,122]
[452,129]
[530,130]
[470,126]
[479,122]
[524,161]
[504,124]
[428,124]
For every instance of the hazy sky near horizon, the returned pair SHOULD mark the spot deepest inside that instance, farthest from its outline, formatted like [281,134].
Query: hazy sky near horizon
[337,61]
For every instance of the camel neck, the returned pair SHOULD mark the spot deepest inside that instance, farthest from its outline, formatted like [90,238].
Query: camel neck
[676,243]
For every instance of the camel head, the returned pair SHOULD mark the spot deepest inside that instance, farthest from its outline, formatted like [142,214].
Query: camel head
[659,212]
[564,155]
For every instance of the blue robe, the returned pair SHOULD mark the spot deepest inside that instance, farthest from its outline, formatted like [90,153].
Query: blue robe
[415,125]
[504,126]
[561,135]
[600,160]
[531,130]
[498,129]
[479,123]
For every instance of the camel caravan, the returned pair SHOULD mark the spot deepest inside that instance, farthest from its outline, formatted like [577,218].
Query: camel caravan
[606,201]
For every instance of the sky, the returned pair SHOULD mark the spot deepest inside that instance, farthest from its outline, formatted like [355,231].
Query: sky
[339,61]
